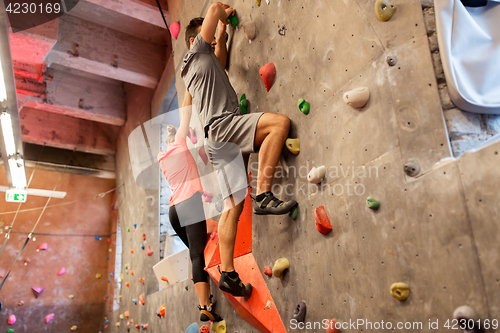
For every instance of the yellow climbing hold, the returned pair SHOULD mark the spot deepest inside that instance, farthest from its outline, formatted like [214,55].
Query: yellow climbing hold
[118,324]
[121,316]
[293,145]
[120,297]
[279,267]
[257,2]
[71,296]
[98,276]
[384,9]
[121,277]
[73,328]
[219,327]
[400,291]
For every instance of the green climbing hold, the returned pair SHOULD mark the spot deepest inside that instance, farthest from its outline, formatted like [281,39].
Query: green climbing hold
[303,106]
[128,229]
[384,9]
[372,203]
[10,330]
[232,20]
[293,213]
[243,104]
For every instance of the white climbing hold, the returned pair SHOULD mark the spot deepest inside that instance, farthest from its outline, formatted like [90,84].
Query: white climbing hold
[357,98]
[316,175]
[268,305]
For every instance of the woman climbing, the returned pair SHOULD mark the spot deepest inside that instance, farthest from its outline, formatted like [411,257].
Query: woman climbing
[186,206]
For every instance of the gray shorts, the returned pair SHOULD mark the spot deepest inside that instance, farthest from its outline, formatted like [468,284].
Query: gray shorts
[230,142]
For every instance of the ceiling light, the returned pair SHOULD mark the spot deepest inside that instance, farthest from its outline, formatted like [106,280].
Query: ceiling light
[17,172]
[8,134]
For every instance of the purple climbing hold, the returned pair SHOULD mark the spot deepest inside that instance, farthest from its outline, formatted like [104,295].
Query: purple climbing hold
[37,291]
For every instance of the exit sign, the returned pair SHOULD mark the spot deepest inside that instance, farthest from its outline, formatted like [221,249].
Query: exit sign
[15,195]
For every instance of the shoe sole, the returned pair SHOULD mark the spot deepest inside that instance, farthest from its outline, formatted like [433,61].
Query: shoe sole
[248,287]
[287,210]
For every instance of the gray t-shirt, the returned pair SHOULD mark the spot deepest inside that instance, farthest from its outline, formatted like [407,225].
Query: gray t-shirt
[207,82]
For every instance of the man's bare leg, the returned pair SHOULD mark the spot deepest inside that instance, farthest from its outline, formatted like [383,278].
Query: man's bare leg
[272,131]
[228,226]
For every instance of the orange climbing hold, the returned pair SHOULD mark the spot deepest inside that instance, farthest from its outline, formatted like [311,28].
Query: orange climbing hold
[141,298]
[131,251]
[141,280]
[145,326]
[149,252]
[144,237]
[205,329]
[138,326]
[322,222]
[127,284]
[164,278]
[162,310]
[268,271]
[330,326]
[132,272]
[126,314]
[267,74]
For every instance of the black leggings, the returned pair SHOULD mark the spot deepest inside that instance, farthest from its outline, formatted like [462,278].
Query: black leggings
[194,235]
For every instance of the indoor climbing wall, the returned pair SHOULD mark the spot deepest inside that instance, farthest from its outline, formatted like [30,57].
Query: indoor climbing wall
[69,248]
[435,225]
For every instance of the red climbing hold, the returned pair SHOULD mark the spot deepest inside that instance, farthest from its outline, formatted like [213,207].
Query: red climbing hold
[61,271]
[205,329]
[145,327]
[322,222]
[268,271]
[148,251]
[141,298]
[203,155]
[267,73]
[37,291]
[207,197]
[330,326]
[106,327]
[141,280]
[175,28]
[144,237]
[109,240]
[48,318]
[138,326]
[105,298]
[43,247]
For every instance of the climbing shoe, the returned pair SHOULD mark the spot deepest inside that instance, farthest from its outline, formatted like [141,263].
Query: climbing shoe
[267,204]
[208,313]
[233,285]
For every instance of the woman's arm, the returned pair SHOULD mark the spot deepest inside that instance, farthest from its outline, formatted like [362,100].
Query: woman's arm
[185,115]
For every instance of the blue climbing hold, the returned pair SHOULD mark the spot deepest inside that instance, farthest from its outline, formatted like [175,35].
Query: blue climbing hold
[135,226]
[142,246]
[97,237]
[107,258]
[193,328]
[106,322]
[111,274]
[109,280]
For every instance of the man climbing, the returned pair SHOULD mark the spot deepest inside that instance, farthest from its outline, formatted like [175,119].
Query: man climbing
[226,127]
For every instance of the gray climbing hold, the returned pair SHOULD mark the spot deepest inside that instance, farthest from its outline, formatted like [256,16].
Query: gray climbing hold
[299,313]
[392,60]
[412,167]
[467,318]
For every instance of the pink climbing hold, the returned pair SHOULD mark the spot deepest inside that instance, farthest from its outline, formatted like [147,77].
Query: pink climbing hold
[175,28]
[48,318]
[322,222]
[213,235]
[267,74]
[192,136]
[149,252]
[203,155]
[207,197]
[12,320]
[268,271]
[37,291]
[43,247]
[61,271]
